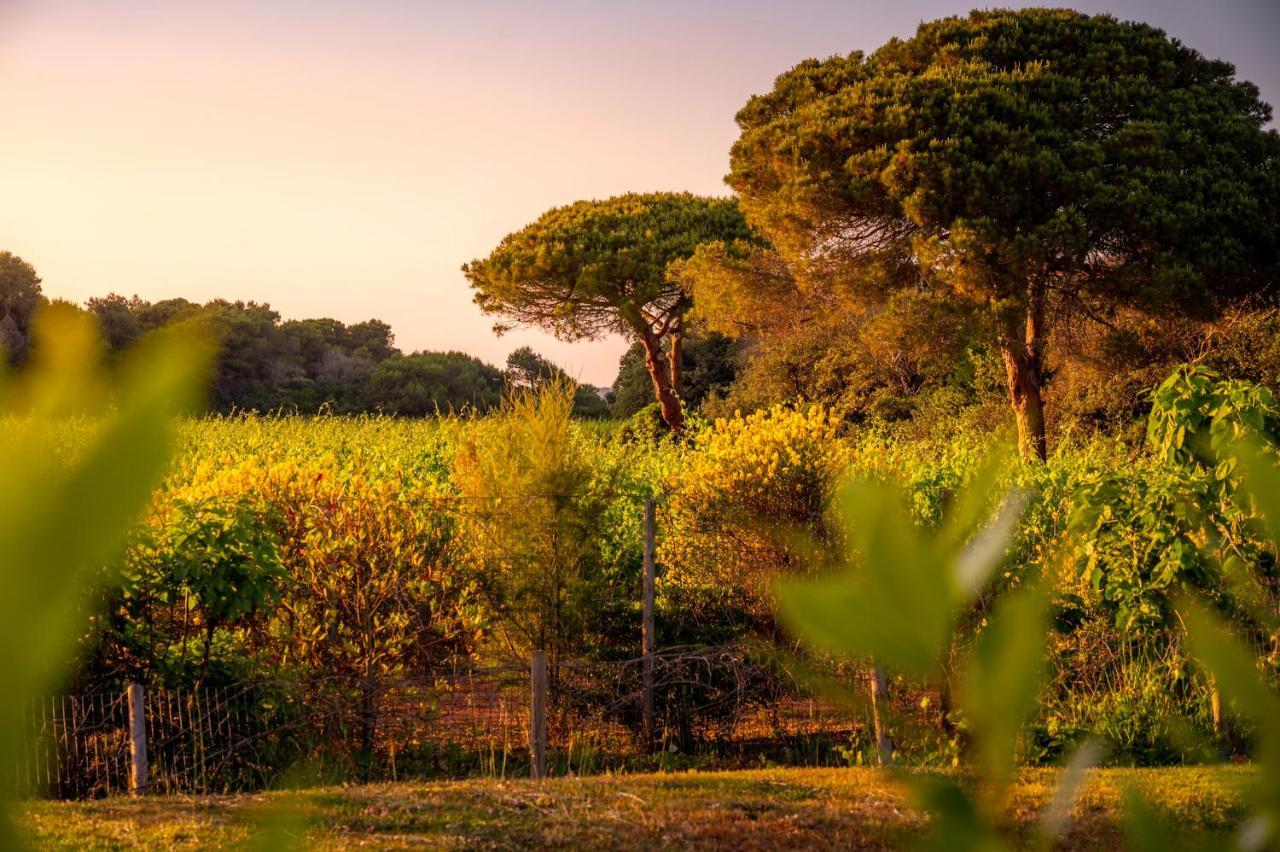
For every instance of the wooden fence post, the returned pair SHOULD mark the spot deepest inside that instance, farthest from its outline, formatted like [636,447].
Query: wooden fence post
[138,780]
[879,710]
[538,714]
[1215,708]
[647,643]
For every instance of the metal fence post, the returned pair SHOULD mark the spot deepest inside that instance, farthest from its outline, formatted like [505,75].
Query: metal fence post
[538,714]
[647,637]
[138,780]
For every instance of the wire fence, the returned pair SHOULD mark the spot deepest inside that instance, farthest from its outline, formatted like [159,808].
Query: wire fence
[730,704]
[216,739]
[461,720]
[76,746]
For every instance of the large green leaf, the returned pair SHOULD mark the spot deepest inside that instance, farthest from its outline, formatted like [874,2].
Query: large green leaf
[1145,831]
[904,587]
[1003,677]
[896,606]
[958,826]
[1262,485]
[61,518]
[1234,668]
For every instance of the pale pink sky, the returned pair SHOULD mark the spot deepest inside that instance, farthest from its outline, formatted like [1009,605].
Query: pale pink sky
[344,159]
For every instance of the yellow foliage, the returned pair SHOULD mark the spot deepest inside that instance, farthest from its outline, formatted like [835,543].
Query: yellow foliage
[371,589]
[747,485]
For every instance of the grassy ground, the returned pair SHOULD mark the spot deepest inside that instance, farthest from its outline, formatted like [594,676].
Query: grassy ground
[755,809]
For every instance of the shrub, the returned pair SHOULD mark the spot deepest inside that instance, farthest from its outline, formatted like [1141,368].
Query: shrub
[531,516]
[201,565]
[747,489]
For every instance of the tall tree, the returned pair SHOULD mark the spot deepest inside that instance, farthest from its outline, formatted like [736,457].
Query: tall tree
[537,506]
[812,341]
[117,318]
[527,369]
[426,383]
[597,267]
[20,295]
[1032,161]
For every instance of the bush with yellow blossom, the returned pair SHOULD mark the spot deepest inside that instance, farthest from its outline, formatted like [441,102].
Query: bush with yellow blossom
[751,489]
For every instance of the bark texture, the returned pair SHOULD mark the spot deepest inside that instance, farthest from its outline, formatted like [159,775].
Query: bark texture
[662,374]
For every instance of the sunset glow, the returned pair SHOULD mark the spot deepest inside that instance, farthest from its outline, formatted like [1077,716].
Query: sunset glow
[344,159]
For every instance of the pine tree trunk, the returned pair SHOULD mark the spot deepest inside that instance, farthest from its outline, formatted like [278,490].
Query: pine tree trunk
[656,361]
[1028,407]
[677,358]
[1022,348]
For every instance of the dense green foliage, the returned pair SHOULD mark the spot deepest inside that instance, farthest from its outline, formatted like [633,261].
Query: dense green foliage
[535,513]
[20,296]
[264,363]
[903,592]
[1032,161]
[429,383]
[485,537]
[267,364]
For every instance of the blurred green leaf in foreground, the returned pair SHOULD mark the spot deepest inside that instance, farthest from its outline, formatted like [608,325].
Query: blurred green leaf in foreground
[1230,661]
[62,516]
[902,588]
[898,601]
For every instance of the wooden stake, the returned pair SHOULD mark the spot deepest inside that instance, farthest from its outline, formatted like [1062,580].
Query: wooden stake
[138,780]
[879,710]
[647,639]
[538,714]
[1215,707]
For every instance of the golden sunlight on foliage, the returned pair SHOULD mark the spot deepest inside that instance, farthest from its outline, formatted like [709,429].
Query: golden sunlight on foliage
[751,484]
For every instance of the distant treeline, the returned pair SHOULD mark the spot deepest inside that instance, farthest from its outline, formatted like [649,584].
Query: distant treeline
[267,363]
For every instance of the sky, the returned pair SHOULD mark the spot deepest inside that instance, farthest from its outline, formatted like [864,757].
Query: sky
[344,159]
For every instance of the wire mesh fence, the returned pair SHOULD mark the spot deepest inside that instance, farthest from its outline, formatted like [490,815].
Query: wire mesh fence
[76,746]
[216,739]
[460,720]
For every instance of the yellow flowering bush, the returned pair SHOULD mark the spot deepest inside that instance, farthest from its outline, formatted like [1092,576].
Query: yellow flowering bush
[749,487]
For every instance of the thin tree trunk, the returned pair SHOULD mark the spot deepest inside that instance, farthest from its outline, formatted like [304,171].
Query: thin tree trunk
[368,721]
[879,713]
[656,361]
[677,358]
[1022,348]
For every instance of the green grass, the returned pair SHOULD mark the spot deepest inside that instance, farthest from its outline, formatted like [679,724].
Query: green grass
[751,809]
